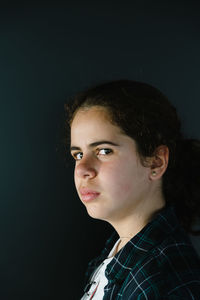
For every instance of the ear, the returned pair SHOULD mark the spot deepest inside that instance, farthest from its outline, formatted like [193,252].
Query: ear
[159,162]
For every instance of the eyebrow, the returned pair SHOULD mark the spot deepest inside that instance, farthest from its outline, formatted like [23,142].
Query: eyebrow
[94,145]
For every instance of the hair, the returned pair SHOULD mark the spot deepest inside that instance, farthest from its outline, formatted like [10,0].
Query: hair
[147,116]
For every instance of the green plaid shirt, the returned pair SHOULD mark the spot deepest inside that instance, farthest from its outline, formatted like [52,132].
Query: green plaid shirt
[158,263]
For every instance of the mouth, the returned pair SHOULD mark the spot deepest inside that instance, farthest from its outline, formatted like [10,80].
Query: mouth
[88,195]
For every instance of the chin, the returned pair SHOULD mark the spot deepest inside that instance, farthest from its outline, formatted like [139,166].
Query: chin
[96,214]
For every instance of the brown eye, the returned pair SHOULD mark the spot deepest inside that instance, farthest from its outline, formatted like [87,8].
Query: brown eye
[104,151]
[77,156]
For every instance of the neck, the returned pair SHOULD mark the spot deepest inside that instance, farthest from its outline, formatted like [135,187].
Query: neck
[130,225]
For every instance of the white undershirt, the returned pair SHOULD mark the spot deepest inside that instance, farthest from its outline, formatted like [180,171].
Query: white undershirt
[99,280]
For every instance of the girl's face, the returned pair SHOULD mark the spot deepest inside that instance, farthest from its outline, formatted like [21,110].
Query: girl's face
[109,177]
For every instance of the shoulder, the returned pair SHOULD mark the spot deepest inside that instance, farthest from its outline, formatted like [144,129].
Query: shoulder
[176,256]
[172,268]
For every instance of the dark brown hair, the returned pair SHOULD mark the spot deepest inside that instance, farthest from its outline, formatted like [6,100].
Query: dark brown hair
[147,116]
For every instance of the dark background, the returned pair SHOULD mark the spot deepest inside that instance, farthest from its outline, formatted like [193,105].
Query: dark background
[49,51]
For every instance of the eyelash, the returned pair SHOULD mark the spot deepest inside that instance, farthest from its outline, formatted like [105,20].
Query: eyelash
[98,153]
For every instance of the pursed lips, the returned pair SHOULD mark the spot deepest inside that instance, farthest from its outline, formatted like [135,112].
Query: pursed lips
[88,194]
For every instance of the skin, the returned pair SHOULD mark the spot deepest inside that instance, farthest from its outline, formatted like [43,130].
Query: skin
[129,192]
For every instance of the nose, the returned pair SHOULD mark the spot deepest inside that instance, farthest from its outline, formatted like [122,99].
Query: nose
[85,169]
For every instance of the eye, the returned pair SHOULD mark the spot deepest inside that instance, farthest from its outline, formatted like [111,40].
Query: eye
[104,151]
[77,156]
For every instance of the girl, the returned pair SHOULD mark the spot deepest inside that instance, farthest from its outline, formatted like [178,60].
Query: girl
[135,170]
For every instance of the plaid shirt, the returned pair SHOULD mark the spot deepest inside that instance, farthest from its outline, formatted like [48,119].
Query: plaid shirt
[158,263]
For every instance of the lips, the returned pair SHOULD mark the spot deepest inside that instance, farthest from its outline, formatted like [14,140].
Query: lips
[88,194]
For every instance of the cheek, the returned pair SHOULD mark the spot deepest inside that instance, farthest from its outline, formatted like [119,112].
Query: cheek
[124,184]
[119,179]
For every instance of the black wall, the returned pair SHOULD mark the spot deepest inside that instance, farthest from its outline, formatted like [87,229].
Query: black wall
[48,51]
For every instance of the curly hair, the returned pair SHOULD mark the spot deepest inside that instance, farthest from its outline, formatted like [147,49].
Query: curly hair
[147,116]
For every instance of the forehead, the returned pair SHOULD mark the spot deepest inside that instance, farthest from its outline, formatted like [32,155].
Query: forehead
[92,126]
[93,122]
[94,111]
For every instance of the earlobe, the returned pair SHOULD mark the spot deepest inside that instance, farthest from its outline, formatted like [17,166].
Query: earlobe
[159,162]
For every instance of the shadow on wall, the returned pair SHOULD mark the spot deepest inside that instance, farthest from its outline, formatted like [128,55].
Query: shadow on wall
[196,243]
